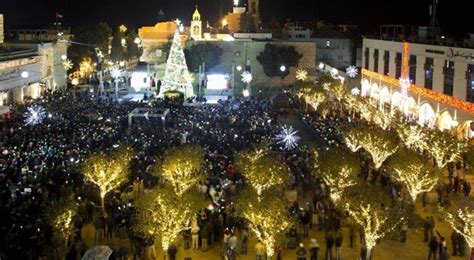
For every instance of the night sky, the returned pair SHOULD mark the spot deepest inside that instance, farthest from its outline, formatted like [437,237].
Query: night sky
[368,14]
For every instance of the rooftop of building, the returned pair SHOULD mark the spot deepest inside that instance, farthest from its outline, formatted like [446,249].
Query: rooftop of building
[329,34]
[437,42]
[9,52]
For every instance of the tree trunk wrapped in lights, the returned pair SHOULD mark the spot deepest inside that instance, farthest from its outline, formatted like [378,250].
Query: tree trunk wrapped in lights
[412,136]
[60,217]
[369,207]
[268,218]
[181,167]
[353,138]
[444,148]
[263,170]
[460,216]
[339,169]
[377,142]
[163,213]
[108,172]
[413,173]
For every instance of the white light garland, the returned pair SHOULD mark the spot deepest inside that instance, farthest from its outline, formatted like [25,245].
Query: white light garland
[246,77]
[352,71]
[288,138]
[34,115]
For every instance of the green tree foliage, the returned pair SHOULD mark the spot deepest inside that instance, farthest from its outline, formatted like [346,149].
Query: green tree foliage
[246,23]
[133,51]
[118,50]
[96,35]
[208,53]
[274,56]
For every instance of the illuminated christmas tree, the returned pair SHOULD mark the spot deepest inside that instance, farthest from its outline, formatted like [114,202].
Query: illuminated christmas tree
[177,76]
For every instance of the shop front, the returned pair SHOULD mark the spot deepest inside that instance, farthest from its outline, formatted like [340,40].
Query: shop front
[19,82]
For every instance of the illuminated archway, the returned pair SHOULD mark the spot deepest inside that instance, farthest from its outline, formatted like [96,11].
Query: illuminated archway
[396,101]
[365,91]
[465,130]
[374,91]
[408,106]
[445,121]
[385,95]
[426,115]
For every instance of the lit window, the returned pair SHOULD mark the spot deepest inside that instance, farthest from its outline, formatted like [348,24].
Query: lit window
[328,43]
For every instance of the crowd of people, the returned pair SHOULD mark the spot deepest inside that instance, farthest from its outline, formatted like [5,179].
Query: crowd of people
[41,164]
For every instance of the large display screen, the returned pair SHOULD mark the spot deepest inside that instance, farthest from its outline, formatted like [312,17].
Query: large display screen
[217,81]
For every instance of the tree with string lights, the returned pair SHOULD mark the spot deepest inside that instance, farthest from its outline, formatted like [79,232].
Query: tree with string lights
[374,140]
[181,167]
[108,172]
[60,217]
[162,213]
[460,217]
[263,170]
[312,95]
[413,173]
[268,218]
[339,169]
[444,148]
[370,208]
[412,136]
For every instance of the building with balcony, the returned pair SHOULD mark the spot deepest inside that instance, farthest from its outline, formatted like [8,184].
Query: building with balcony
[438,80]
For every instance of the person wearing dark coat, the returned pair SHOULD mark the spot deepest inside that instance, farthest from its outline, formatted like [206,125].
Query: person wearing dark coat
[172,250]
[314,249]
[433,247]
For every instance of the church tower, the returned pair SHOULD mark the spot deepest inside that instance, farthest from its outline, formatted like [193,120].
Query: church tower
[196,26]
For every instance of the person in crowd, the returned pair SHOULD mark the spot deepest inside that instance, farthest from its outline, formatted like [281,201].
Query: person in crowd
[314,249]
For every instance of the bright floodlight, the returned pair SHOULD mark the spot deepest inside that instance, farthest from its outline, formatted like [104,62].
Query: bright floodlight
[288,138]
[246,77]
[25,74]
[34,115]
[321,65]
[236,2]
[246,93]
[351,71]
[63,57]
[115,72]
[282,68]
[355,91]
[239,68]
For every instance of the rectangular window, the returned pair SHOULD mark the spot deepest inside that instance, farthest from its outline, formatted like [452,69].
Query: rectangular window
[366,56]
[470,83]
[386,62]
[376,60]
[398,65]
[412,64]
[429,73]
[448,71]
